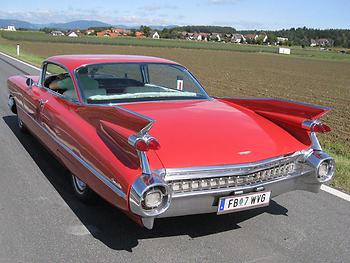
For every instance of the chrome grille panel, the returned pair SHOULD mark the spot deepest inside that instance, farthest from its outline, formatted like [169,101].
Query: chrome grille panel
[230,178]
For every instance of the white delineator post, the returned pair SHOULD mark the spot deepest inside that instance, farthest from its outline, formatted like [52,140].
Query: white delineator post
[17,50]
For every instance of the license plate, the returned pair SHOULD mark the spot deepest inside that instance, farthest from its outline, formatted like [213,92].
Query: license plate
[243,202]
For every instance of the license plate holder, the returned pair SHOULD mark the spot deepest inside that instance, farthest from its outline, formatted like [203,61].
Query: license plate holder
[230,204]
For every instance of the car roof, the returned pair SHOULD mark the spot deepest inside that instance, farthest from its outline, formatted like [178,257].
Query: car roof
[72,62]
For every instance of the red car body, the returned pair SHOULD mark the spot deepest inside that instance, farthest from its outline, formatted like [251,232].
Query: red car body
[212,141]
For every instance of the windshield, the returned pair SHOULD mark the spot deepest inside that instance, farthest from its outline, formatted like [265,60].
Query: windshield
[124,82]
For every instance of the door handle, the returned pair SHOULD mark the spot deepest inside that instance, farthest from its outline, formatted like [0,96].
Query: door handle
[42,103]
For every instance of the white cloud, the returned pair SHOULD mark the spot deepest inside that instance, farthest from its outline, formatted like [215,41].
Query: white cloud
[239,24]
[223,2]
[138,20]
[50,16]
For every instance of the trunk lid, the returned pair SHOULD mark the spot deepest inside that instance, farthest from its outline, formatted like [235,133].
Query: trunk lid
[211,132]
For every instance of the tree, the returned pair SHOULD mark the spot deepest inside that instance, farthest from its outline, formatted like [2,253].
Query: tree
[146,30]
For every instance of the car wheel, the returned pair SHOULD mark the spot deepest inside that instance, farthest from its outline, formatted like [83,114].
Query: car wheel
[22,127]
[82,190]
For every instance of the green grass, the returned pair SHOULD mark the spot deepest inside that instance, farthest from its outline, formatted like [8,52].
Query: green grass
[30,58]
[341,154]
[339,151]
[313,53]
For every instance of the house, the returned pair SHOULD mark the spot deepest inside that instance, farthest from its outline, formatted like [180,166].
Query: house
[155,35]
[183,35]
[89,31]
[313,43]
[197,36]
[282,39]
[237,38]
[251,37]
[72,34]
[205,36]
[10,28]
[56,33]
[263,37]
[107,33]
[139,34]
[325,42]
[121,31]
[190,36]
[215,37]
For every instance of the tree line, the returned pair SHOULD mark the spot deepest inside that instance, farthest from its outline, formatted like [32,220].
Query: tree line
[296,36]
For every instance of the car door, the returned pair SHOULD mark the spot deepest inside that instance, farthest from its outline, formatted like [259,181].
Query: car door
[32,98]
[56,104]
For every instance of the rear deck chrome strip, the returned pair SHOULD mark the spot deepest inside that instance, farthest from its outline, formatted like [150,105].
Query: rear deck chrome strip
[201,172]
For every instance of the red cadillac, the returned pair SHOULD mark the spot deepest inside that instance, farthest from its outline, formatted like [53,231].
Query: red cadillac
[142,133]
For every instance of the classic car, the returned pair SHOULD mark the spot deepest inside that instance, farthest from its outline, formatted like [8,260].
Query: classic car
[142,133]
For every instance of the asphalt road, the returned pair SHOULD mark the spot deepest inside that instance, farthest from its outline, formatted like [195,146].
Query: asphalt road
[41,221]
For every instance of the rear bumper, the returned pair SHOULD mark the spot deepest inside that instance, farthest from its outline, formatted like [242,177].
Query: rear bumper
[202,187]
[207,202]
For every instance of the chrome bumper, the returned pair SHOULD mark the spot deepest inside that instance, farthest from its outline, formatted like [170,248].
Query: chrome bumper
[207,202]
[273,175]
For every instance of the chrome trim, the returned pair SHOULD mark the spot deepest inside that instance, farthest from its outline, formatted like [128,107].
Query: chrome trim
[148,222]
[200,172]
[317,158]
[307,124]
[146,169]
[138,190]
[303,169]
[11,104]
[203,185]
[114,186]
[315,144]
[199,202]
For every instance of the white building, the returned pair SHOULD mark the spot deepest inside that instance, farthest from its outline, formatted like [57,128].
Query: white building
[10,28]
[155,35]
[72,34]
[237,38]
[282,39]
[57,33]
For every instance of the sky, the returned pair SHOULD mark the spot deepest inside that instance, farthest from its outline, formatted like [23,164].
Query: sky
[240,14]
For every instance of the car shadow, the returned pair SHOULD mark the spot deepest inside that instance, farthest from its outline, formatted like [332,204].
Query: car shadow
[114,228]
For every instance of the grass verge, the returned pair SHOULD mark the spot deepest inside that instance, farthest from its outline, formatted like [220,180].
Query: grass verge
[27,57]
[338,150]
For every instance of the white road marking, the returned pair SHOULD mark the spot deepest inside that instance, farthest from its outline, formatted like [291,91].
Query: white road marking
[325,188]
[335,192]
[20,61]
[81,230]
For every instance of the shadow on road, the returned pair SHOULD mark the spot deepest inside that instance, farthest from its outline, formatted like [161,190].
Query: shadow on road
[111,226]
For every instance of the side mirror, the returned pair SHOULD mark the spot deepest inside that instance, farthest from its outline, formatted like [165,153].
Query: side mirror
[29,82]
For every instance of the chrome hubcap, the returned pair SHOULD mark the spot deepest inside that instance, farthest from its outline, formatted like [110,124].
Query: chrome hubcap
[20,123]
[80,185]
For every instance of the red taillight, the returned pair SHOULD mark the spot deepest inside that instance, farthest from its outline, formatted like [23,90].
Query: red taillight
[141,145]
[151,144]
[320,127]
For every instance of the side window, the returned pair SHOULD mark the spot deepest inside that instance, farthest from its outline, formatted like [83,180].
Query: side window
[58,80]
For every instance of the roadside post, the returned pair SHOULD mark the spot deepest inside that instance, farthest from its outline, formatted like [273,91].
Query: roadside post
[17,50]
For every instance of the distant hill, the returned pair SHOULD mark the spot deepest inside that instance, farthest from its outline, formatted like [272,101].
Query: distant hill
[81,24]
[78,24]
[17,23]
